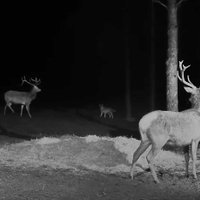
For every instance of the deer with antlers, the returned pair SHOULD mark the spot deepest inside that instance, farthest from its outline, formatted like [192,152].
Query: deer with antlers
[181,129]
[22,98]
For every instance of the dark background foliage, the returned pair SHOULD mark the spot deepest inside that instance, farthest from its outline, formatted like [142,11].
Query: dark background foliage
[77,47]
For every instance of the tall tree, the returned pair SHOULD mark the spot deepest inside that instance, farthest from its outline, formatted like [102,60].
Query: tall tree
[127,56]
[172,53]
[152,60]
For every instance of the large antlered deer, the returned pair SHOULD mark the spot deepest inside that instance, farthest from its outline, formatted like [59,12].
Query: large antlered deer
[23,98]
[158,128]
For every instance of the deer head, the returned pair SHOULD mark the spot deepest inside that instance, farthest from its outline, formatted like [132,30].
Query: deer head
[33,82]
[191,88]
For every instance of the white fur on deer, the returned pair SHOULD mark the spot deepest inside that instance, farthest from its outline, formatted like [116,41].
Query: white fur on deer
[158,128]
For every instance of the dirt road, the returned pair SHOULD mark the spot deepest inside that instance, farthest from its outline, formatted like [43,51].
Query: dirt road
[46,184]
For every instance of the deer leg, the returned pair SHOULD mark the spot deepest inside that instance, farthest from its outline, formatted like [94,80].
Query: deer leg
[194,157]
[111,114]
[5,109]
[157,145]
[22,107]
[140,150]
[187,158]
[9,105]
[150,158]
[28,110]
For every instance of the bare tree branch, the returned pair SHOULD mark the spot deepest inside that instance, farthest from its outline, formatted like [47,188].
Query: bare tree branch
[179,3]
[162,4]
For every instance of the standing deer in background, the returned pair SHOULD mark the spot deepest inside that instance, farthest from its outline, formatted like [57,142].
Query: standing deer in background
[158,128]
[106,111]
[23,98]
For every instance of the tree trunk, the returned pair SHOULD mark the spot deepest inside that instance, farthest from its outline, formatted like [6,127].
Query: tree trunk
[172,84]
[128,90]
[152,61]
[127,61]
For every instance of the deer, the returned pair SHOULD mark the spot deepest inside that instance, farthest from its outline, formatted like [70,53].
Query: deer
[21,97]
[180,129]
[106,111]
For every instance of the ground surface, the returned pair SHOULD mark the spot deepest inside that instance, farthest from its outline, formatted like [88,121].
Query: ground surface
[44,183]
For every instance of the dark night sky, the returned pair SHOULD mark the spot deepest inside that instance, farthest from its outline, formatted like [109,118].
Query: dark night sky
[77,49]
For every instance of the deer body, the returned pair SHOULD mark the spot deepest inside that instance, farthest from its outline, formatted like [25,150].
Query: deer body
[106,111]
[158,128]
[178,128]
[22,98]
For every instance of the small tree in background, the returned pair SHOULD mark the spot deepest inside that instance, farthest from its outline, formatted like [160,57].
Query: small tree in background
[152,59]
[127,56]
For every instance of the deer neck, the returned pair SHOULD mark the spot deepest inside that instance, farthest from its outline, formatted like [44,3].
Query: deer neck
[33,93]
[195,101]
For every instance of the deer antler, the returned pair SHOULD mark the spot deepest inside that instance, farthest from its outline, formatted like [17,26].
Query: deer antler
[24,80]
[182,68]
[35,81]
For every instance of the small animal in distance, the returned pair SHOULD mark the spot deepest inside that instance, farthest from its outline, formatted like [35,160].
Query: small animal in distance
[104,111]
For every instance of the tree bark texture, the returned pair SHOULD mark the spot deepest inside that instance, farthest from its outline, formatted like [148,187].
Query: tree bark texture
[171,72]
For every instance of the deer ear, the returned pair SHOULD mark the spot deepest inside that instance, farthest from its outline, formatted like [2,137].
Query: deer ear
[189,90]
